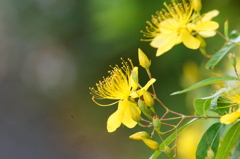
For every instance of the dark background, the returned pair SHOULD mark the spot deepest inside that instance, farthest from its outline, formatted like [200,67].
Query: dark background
[52,51]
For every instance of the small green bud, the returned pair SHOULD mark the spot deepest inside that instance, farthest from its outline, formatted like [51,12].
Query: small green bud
[135,112]
[197,5]
[134,78]
[203,43]
[139,135]
[151,144]
[232,59]
[148,98]
[168,151]
[210,154]
[143,60]
[157,123]
[144,109]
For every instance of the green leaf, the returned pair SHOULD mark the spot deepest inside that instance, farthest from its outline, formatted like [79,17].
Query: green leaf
[234,37]
[236,153]
[218,107]
[202,105]
[206,82]
[228,141]
[218,56]
[210,140]
[170,139]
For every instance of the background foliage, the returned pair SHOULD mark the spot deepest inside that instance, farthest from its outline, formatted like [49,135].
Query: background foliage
[51,51]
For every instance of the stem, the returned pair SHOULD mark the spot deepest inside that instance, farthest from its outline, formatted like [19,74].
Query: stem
[159,101]
[235,69]
[150,77]
[146,120]
[175,113]
[168,124]
[167,111]
[203,117]
[227,40]
[175,127]
[168,119]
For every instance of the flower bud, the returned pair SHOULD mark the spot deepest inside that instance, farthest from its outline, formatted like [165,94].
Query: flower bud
[168,151]
[139,135]
[232,59]
[197,5]
[150,143]
[134,78]
[203,43]
[148,98]
[210,154]
[143,60]
[135,112]
[157,123]
[143,107]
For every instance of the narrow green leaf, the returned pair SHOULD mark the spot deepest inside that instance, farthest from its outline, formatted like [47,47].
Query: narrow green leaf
[236,153]
[206,82]
[170,139]
[218,56]
[202,105]
[234,37]
[228,141]
[218,107]
[210,140]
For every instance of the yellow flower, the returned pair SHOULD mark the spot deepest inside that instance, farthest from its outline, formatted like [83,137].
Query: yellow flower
[139,135]
[175,25]
[150,143]
[121,85]
[230,118]
[231,97]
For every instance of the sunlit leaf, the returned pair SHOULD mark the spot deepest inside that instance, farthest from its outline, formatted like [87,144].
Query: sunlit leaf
[236,153]
[171,138]
[206,82]
[202,105]
[210,140]
[218,56]
[228,141]
[234,37]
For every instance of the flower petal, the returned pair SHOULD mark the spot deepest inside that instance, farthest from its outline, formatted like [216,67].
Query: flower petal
[164,42]
[209,15]
[207,25]
[127,117]
[207,34]
[115,120]
[139,93]
[133,80]
[149,83]
[230,118]
[188,40]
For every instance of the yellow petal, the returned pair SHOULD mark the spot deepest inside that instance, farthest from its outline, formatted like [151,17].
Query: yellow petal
[207,25]
[133,80]
[188,40]
[230,118]
[164,42]
[115,120]
[207,34]
[149,83]
[150,143]
[209,15]
[127,118]
[139,93]
[139,135]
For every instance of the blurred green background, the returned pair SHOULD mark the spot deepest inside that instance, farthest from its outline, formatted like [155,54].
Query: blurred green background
[52,51]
